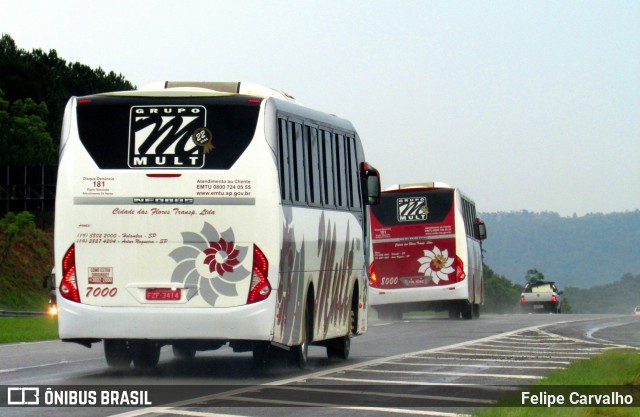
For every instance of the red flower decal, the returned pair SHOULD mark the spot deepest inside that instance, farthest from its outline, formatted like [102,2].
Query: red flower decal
[221,256]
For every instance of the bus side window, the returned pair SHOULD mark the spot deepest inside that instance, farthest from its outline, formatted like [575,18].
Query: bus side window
[355,200]
[314,169]
[329,175]
[299,171]
[283,150]
[340,170]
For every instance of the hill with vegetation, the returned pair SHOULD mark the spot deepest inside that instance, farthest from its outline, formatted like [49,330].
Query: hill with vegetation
[579,252]
[26,258]
[619,297]
[34,89]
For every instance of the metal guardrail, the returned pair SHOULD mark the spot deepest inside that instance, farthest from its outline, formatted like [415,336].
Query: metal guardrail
[5,313]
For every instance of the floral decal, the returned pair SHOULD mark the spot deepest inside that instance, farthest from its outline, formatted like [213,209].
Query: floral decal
[221,257]
[436,264]
[209,263]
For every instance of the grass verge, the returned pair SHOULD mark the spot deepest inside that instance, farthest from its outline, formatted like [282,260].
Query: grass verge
[618,367]
[28,329]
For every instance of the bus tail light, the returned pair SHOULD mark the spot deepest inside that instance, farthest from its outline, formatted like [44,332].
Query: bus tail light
[373,279]
[69,283]
[260,287]
[522,299]
[554,299]
[459,267]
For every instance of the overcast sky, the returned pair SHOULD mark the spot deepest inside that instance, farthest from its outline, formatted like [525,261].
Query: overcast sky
[530,105]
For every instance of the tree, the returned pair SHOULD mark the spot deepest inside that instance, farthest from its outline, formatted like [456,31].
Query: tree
[501,295]
[533,276]
[46,78]
[24,139]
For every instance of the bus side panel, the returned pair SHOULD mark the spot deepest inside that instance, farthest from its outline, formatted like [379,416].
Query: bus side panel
[474,270]
[330,257]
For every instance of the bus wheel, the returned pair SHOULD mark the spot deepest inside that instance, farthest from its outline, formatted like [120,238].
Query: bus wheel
[145,354]
[454,311]
[184,351]
[476,311]
[339,348]
[300,353]
[117,353]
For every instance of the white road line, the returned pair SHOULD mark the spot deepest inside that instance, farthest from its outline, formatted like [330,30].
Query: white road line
[608,343]
[384,394]
[532,348]
[340,407]
[525,351]
[385,371]
[494,360]
[476,366]
[415,383]
[322,374]
[191,413]
[44,365]
[515,354]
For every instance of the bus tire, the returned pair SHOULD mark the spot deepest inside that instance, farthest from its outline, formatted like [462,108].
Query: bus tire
[300,353]
[454,311]
[184,351]
[476,311]
[117,354]
[145,354]
[340,347]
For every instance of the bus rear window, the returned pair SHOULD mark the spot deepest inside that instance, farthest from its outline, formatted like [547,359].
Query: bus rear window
[421,206]
[157,132]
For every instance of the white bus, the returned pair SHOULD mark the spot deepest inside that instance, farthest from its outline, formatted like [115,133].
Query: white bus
[203,214]
[426,252]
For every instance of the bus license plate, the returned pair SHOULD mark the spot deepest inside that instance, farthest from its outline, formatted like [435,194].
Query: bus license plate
[163,294]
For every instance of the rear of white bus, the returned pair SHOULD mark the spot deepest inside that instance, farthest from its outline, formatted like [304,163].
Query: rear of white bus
[161,206]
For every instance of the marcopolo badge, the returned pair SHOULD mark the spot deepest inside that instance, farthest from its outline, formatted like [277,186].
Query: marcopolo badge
[204,137]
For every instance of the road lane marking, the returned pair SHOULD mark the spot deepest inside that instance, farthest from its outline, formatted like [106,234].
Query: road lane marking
[498,345]
[44,365]
[324,374]
[546,352]
[477,366]
[386,371]
[513,356]
[384,394]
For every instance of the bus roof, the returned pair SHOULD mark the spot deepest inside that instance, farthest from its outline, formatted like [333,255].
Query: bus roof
[231,87]
[433,184]
[205,88]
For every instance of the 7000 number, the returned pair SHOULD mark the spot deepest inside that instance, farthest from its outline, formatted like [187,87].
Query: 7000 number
[101,292]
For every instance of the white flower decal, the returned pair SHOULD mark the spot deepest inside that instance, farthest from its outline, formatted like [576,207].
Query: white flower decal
[436,264]
[209,263]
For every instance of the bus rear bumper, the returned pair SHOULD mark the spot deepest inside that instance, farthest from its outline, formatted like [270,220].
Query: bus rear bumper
[379,296]
[247,322]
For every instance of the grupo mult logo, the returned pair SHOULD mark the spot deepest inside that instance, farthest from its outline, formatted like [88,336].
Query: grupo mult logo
[411,209]
[163,137]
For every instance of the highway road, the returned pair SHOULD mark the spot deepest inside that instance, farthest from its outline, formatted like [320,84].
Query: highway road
[418,366]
